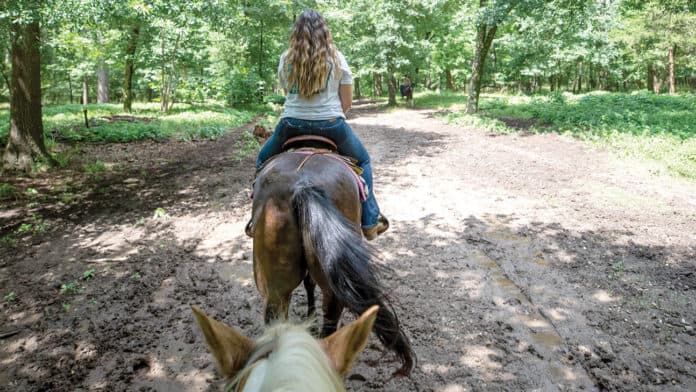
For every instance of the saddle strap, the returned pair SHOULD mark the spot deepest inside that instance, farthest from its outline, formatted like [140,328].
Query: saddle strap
[354,169]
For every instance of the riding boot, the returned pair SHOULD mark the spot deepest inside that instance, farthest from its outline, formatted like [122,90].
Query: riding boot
[373,232]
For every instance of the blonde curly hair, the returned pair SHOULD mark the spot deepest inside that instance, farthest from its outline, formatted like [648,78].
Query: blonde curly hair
[307,68]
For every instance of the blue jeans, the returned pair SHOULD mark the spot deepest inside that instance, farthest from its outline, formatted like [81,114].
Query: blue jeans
[347,142]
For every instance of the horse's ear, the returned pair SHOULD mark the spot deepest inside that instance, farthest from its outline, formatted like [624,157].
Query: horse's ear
[344,345]
[229,347]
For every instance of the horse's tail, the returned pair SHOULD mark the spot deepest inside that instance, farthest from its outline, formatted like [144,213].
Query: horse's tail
[346,260]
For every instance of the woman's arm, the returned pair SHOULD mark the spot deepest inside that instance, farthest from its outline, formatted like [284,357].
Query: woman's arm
[345,93]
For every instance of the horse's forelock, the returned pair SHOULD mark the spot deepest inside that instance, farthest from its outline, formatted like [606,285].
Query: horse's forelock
[296,363]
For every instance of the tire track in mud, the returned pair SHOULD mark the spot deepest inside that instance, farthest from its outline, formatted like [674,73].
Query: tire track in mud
[518,263]
[526,340]
[495,238]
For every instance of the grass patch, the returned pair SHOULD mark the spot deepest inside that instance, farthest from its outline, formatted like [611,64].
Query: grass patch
[68,288]
[643,125]
[183,122]
[247,146]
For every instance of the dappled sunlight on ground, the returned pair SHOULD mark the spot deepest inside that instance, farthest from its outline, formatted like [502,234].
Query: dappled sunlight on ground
[506,271]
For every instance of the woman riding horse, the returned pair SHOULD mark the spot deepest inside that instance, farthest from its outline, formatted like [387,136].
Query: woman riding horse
[308,215]
[318,86]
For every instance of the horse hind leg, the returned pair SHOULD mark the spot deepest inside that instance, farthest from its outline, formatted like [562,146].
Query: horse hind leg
[309,286]
[332,308]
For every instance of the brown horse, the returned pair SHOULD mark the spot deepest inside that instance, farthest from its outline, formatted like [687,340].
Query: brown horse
[306,228]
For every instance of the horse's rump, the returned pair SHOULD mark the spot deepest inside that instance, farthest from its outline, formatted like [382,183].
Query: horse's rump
[306,216]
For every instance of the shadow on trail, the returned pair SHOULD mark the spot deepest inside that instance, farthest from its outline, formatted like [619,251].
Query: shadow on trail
[101,298]
[460,295]
[471,306]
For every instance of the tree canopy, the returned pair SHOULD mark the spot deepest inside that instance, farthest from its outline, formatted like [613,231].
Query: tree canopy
[196,51]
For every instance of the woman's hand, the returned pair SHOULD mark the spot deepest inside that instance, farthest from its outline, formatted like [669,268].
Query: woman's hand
[345,93]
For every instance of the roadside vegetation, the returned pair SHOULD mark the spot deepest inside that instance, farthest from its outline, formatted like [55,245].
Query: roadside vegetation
[109,123]
[661,128]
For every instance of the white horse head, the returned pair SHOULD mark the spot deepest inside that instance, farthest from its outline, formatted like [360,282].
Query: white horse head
[286,357]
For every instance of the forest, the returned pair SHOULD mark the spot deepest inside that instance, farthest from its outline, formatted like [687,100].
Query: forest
[226,52]
[539,186]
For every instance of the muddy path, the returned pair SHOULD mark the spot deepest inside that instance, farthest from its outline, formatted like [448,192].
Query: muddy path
[519,263]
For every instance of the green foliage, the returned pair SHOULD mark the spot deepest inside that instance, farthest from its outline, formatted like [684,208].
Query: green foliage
[643,125]
[36,226]
[136,276]
[184,122]
[274,98]
[8,241]
[159,213]
[10,297]
[69,288]
[88,274]
[640,114]
[245,88]
[7,191]
[617,270]
[31,193]
[247,146]
[94,168]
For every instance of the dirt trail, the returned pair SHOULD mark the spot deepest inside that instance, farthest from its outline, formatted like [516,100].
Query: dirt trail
[520,263]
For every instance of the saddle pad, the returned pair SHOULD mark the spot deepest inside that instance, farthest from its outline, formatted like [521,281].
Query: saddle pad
[348,162]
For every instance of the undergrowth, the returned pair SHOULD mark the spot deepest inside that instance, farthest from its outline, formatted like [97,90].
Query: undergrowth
[643,125]
[183,122]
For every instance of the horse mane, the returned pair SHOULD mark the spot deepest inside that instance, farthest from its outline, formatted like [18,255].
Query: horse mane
[297,363]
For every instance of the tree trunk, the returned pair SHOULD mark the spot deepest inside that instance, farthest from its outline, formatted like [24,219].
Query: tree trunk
[170,80]
[579,77]
[450,79]
[391,85]
[103,83]
[656,83]
[484,39]
[671,69]
[26,137]
[377,84]
[261,56]
[357,94]
[85,90]
[650,77]
[6,78]
[592,79]
[130,68]
[164,94]
[70,87]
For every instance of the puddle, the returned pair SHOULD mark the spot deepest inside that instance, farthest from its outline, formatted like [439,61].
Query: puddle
[505,282]
[535,321]
[603,296]
[562,373]
[547,338]
[506,236]
[242,273]
[523,299]
[489,264]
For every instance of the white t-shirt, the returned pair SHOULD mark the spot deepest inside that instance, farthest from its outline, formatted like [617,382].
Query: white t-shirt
[323,105]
